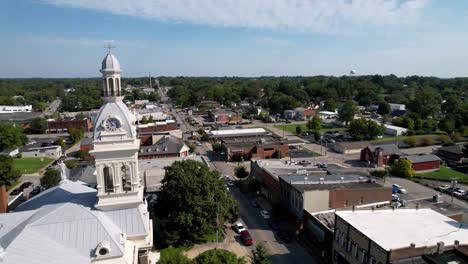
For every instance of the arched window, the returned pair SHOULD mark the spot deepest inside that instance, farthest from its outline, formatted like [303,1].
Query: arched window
[126,179]
[104,88]
[111,86]
[117,86]
[108,180]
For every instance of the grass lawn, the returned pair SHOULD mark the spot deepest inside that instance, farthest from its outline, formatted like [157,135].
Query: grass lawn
[444,173]
[212,237]
[170,252]
[30,165]
[389,138]
[291,128]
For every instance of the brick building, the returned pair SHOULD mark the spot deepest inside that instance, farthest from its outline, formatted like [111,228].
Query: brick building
[311,193]
[245,148]
[64,125]
[424,163]
[398,236]
[163,147]
[167,125]
[380,155]
[222,116]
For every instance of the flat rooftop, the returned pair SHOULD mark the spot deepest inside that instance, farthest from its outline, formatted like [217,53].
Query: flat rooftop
[395,229]
[237,132]
[251,141]
[303,182]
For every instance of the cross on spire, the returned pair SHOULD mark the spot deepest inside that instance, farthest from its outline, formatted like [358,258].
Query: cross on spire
[109,46]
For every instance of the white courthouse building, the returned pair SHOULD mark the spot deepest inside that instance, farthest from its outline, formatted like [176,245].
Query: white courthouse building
[73,223]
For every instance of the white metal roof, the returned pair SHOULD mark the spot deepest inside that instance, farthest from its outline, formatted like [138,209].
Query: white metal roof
[393,229]
[237,131]
[395,127]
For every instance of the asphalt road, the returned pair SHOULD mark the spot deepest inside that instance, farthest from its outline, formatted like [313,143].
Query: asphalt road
[261,233]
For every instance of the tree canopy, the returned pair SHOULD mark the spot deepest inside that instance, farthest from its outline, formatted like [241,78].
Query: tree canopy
[218,256]
[11,136]
[51,178]
[8,174]
[38,125]
[347,111]
[259,255]
[402,168]
[191,200]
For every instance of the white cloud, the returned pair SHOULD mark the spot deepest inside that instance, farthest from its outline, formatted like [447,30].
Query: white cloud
[300,15]
[67,41]
[270,41]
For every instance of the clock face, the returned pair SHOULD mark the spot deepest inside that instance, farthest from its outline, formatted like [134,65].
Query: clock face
[112,124]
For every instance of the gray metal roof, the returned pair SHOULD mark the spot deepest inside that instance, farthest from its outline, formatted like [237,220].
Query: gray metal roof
[61,225]
[422,158]
[387,148]
[165,145]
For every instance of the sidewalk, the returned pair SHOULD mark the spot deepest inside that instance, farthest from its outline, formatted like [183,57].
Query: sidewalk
[230,243]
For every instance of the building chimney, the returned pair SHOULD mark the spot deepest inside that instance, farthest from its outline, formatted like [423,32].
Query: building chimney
[417,206]
[354,208]
[373,208]
[412,245]
[456,243]
[440,247]
[3,199]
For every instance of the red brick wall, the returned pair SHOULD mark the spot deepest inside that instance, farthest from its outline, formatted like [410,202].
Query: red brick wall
[69,124]
[338,197]
[158,128]
[430,165]
[86,147]
[3,199]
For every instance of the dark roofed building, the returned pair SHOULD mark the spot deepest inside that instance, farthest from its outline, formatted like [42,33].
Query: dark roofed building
[318,193]
[451,154]
[351,147]
[245,148]
[163,147]
[424,163]
[380,155]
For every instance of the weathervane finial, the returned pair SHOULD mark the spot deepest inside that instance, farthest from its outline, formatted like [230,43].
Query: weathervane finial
[109,46]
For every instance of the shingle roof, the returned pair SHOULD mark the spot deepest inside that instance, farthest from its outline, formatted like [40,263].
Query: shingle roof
[165,145]
[353,144]
[387,148]
[422,158]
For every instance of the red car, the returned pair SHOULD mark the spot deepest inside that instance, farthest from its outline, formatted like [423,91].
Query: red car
[246,238]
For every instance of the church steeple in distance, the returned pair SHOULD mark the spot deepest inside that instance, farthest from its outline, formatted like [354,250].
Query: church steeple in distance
[110,69]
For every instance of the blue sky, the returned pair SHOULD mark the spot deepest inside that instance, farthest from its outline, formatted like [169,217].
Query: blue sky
[65,38]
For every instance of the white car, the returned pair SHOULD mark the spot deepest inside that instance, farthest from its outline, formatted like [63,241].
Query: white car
[265,214]
[397,188]
[459,193]
[444,187]
[239,227]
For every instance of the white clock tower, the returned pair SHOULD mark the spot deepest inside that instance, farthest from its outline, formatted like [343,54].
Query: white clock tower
[115,145]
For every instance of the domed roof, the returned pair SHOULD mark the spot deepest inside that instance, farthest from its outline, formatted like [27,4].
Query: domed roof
[110,63]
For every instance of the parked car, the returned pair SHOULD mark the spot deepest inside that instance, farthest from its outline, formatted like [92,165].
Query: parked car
[265,214]
[305,162]
[322,165]
[246,238]
[284,236]
[395,198]
[444,188]
[398,189]
[16,191]
[230,184]
[36,190]
[459,193]
[25,185]
[274,226]
[239,227]
[254,204]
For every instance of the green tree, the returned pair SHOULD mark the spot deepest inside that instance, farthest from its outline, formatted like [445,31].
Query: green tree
[217,146]
[427,141]
[384,108]
[402,168]
[241,172]
[154,97]
[60,142]
[426,103]
[193,203]
[374,130]
[218,256]
[315,124]
[76,134]
[259,255]
[358,128]
[173,256]
[330,105]
[51,178]
[298,129]
[144,120]
[347,111]
[8,174]
[38,125]
[71,163]
[151,119]
[411,141]
[11,136]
